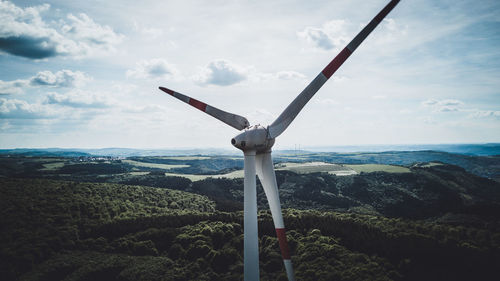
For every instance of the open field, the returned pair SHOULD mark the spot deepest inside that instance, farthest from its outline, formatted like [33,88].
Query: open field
[431,164]
[307,168]
[154,165]
[137,173]
[315,167]
[369,168]
[191,177]
[340,169]
[185,158]
[52,166]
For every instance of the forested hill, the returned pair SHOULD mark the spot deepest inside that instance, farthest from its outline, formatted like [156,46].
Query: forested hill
[39,218]
[180,217]
[60,230]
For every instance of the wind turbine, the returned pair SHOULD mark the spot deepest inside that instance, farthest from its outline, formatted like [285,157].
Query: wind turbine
[256,142]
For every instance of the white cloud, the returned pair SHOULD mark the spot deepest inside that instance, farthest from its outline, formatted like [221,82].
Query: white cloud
[453,105]
[20,109]
[35,117]
[450,103]
[89,35]
[12,87]
[62,78]
[78,99]
[289,75]
[221,73]
[447,109]
[429,102]
[392,32]
[23,32]
[154,68]
[144,109]
[447,105]
[485,114]
[332,35]
[150,32]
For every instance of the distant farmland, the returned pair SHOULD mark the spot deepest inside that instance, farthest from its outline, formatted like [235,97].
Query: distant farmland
[307,168]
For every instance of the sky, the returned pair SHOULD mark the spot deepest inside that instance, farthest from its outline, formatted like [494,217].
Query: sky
[85,74]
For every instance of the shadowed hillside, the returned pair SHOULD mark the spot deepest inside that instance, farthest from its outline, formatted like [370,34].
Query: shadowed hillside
[59,230]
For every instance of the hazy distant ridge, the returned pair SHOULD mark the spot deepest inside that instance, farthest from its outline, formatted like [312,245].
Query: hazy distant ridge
[487,149]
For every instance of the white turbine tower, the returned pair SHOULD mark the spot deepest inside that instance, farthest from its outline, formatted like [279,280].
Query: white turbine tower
[256,142]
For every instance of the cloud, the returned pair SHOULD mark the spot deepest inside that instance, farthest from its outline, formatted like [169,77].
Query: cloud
[452,105]
[331,35]
[59,79]
[448,105]
[144,109]
[429,102]
[24,33]
[29,47]
[12,87]
[78,99]
[75,105]
[221,73]
[150,32]
[154,68]
[485,114]
[336,34]
[391,31]
[447,109]
[88,34]
[20,109]
[62,78]
[289,75]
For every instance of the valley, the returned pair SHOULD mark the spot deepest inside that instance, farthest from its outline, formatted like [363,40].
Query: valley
[353,216]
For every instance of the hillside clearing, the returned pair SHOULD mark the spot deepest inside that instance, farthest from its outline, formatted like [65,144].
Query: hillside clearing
[369,168]
[154,165]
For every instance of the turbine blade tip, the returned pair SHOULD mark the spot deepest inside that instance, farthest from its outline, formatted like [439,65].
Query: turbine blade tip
[168,91]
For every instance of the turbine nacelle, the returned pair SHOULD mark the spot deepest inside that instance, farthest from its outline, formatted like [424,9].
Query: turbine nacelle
[253,138]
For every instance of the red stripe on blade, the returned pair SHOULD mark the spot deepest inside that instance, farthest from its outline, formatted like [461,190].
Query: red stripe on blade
[285,252]
[336,63]
[380,16]
[198,104]
[168,91]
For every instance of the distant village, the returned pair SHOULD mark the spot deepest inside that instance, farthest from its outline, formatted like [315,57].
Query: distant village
[99,158]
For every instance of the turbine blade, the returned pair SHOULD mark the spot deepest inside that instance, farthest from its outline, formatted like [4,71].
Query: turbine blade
[265,171]
[250,230]
[236,121]
[293,109]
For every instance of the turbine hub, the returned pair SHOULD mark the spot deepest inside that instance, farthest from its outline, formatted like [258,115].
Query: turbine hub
[253,138]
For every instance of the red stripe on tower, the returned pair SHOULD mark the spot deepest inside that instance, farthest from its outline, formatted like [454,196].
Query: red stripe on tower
[285,251]
[198,104]
[336,63]
[380,16]
[168,91]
